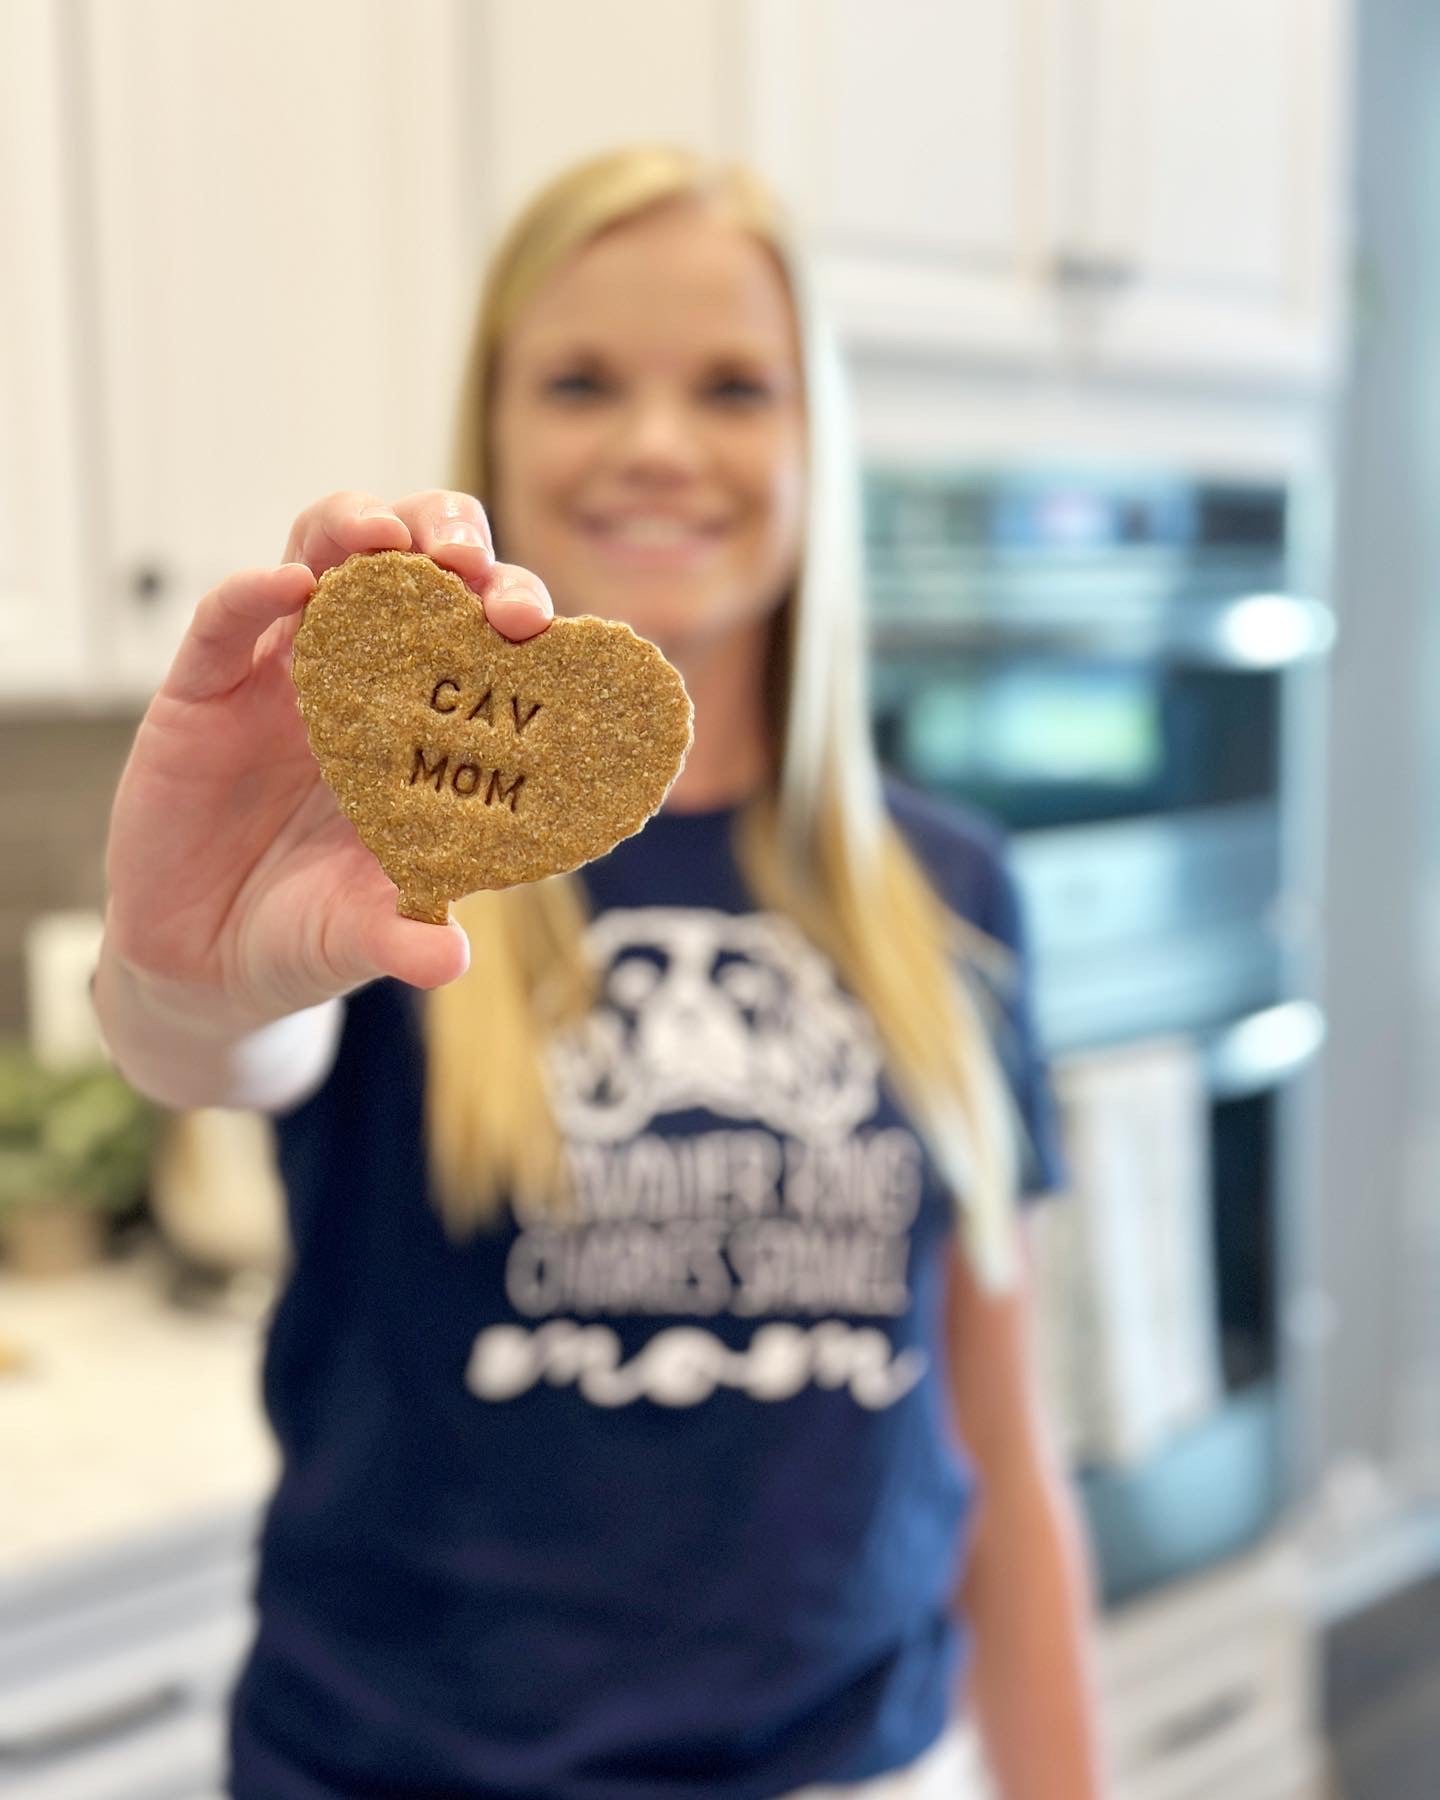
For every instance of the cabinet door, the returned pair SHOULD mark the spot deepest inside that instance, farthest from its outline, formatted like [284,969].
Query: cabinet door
[557,81]
[45,529]
[1208,224]
[281,284]
[919,142]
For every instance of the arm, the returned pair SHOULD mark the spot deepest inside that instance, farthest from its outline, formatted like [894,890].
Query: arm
[242,904]
[183,1051]
[1027,1589]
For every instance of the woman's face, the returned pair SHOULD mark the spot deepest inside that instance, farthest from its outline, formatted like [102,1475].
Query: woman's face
[649,431]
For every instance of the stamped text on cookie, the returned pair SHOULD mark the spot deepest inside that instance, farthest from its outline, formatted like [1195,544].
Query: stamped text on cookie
[492,787]
[449,697]
[467,779]
[466,761]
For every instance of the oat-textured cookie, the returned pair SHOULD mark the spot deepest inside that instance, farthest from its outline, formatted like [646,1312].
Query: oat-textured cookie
[466,761]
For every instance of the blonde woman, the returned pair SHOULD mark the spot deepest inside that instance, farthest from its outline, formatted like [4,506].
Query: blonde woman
[652,1375]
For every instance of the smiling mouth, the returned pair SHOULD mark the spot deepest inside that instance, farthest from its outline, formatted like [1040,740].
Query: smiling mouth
[652,532]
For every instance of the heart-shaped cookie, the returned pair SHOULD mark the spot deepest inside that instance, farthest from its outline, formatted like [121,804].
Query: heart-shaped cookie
[467,761]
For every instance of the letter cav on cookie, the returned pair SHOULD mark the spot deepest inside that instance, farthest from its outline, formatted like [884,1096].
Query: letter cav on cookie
[448,697]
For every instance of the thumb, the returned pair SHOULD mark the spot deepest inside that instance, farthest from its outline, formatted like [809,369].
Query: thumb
[425,956]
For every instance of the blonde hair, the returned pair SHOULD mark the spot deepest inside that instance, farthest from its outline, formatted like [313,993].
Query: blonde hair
[818,847]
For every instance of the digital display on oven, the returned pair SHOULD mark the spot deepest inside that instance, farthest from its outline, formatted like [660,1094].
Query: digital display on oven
[1036,723]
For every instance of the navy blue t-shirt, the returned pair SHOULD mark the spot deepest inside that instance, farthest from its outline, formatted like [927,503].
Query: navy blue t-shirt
[662,1499]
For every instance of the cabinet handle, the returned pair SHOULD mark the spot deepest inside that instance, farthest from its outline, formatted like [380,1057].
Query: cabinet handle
[1091,274]
[92,1728]
[1201,1722]
[148,583]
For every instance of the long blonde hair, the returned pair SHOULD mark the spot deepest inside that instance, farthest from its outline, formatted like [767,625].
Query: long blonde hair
[818,847]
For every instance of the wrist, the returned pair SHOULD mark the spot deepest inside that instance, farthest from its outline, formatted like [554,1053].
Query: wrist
[124,989]
[188,1044]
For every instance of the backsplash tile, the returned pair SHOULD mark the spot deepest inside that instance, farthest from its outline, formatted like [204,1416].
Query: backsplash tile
[60,780]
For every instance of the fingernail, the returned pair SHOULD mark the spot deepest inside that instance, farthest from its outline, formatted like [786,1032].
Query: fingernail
[459,531]
[379,512]
[512,587]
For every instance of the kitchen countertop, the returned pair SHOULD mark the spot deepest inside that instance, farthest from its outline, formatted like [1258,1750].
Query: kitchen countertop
[125,1414]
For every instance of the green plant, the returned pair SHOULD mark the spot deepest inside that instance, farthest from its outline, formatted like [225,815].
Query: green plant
[80,1134]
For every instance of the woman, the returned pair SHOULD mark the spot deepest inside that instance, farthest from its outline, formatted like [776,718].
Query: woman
[652,1377]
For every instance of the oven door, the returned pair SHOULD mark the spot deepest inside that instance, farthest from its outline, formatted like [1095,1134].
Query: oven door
[1056,717]
[1134,754]
[1217,1486]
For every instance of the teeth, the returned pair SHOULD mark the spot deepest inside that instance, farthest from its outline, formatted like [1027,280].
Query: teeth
[650,531]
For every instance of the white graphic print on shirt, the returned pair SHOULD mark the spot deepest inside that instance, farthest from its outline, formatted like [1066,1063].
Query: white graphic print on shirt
[809,1212]
[735,1013]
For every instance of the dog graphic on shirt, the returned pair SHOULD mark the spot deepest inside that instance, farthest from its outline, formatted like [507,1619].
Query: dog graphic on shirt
[735,1013]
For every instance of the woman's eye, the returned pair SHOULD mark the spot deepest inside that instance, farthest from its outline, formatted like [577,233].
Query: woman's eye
[740,390]
[576,385]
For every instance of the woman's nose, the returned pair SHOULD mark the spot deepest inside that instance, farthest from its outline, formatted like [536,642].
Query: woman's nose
[658,436]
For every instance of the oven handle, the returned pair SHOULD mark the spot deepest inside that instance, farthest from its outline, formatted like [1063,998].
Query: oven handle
[1247,632]
[1264,631]
[1262,1051]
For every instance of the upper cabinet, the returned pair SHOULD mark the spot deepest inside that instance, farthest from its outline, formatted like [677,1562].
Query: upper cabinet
[919,144]
[1144,186]
[552,81]
[1131,185]
[1206,219]
[287,208]
[245,242]
[45,527]
[277,282]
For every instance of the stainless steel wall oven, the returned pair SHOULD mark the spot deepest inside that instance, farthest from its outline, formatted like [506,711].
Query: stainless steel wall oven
[1114,664]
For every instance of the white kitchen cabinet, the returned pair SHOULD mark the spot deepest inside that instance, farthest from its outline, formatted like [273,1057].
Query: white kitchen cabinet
[289,208]
[920,145]
[46,523]
[553,81]
[247,240]
[281,279]
[136,1465]
[1140,186]
[116,1668]
[1206,222]
[1211,1686]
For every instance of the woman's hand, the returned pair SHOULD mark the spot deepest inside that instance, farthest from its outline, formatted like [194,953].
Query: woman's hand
[234,879]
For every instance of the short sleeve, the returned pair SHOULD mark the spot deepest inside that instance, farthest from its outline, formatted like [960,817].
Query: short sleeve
[964,852]
[1042,1161]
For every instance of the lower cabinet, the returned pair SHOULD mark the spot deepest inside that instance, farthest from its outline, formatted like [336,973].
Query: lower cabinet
[115,1675]
[1211,1686]
[115,1671]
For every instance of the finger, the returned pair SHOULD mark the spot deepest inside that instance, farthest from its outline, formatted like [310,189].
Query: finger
[277,642]
[425,956]
[342,524]
[517,603]
[452,530]
[217,652]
